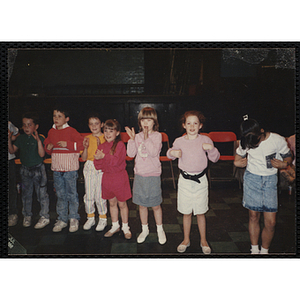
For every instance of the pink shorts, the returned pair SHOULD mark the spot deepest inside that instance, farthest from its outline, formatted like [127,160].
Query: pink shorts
[116,185]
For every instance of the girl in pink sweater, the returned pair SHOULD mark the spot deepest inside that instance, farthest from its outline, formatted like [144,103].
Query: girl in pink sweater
[145,147]
[191,150]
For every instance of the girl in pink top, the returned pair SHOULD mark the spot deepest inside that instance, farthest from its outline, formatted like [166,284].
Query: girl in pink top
[191,150]
[145,147]
[110,158]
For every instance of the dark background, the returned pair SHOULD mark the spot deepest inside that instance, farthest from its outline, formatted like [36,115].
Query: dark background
[223,83]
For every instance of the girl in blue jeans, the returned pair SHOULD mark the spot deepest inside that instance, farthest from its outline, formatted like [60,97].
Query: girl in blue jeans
[262,153]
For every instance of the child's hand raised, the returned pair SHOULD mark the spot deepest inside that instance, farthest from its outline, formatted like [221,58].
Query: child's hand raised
[130,132]
[36,135]
[99,154]
[207,146]
[176,153]
[86,142]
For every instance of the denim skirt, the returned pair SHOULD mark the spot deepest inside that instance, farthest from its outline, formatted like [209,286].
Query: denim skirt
[260,192]
[147,191]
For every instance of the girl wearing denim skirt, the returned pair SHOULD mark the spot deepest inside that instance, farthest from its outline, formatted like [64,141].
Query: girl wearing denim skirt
[145,147]
[262,153]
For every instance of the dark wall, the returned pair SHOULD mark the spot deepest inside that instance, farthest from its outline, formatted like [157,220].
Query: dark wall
[118,83]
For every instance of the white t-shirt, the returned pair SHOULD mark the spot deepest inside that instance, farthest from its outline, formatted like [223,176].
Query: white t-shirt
[259,159]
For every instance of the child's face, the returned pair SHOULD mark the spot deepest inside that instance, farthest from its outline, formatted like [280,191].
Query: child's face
[192,126]
[59,119]
[95,126]
[110,134]
[147,124]
[29,127]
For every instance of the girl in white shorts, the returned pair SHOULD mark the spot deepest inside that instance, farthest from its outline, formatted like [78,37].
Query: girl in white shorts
[192,151]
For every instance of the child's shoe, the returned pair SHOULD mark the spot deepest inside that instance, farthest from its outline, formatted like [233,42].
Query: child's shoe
[42,223]
[101,224]
[59,225]
[181,248]
[126,231]
[74,224]
[89,223]
[142,237]
[114,229]
[161,234]
[205,249]
[255,249]
[27,221]
[12,220]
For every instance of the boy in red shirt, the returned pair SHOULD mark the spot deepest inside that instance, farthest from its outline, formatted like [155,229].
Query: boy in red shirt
[64,144]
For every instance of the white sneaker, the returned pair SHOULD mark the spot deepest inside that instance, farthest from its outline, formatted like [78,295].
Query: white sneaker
[27,221]
[161,237]
[74,224]
[42,223]
[141,238]
[89,223]
[101,224]
[12,220]
[59,225]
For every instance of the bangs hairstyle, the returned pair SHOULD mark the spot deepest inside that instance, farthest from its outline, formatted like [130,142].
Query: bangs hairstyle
[60,108]
[195,113]
[93,115]
[250,134]
[148,113]
[113,125]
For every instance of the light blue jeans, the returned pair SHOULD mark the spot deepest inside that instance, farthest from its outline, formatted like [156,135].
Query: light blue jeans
[65,184]
[34,177]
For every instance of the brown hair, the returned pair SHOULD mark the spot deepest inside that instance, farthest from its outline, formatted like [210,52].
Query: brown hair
[148,113]
[113,125]
[195,113]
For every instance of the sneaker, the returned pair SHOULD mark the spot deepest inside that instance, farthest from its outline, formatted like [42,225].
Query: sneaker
[42,223]
[161,237]
[74,224]
[101,224]
[27,221]
[142,236]
[89,223]
[12,220]
[59,225]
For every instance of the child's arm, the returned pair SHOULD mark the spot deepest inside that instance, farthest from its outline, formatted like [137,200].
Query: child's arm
[11,147]
[41,150]
[212,152]
[239,161]
[85,151]
[131,146]
[279,164]
[174,152]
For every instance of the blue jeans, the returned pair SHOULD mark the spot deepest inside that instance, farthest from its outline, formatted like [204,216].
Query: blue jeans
[65,184]
[34,177]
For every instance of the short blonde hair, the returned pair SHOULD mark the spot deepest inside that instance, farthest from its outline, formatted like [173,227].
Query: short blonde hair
[148,113]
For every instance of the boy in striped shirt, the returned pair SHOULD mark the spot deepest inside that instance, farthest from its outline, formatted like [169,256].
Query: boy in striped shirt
[64,144]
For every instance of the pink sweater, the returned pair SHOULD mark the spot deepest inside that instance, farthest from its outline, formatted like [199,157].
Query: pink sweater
[193,159]
[146,153]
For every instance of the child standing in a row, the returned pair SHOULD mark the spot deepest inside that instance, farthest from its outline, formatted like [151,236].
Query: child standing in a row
[110,157]
[145,147]
[93,177]
[262,153]
[191,150]
[64,144]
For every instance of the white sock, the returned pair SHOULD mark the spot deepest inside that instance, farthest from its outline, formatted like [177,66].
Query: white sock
[159,227]
[264,251]
[125,227]
[254,249]
[145,228]
[114,226]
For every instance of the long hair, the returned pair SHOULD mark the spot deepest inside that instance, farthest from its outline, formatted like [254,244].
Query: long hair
[148,113]
[189,113]
[113,125]
[251,134]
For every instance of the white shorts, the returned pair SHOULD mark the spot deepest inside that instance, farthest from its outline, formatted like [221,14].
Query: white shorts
[192,196]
